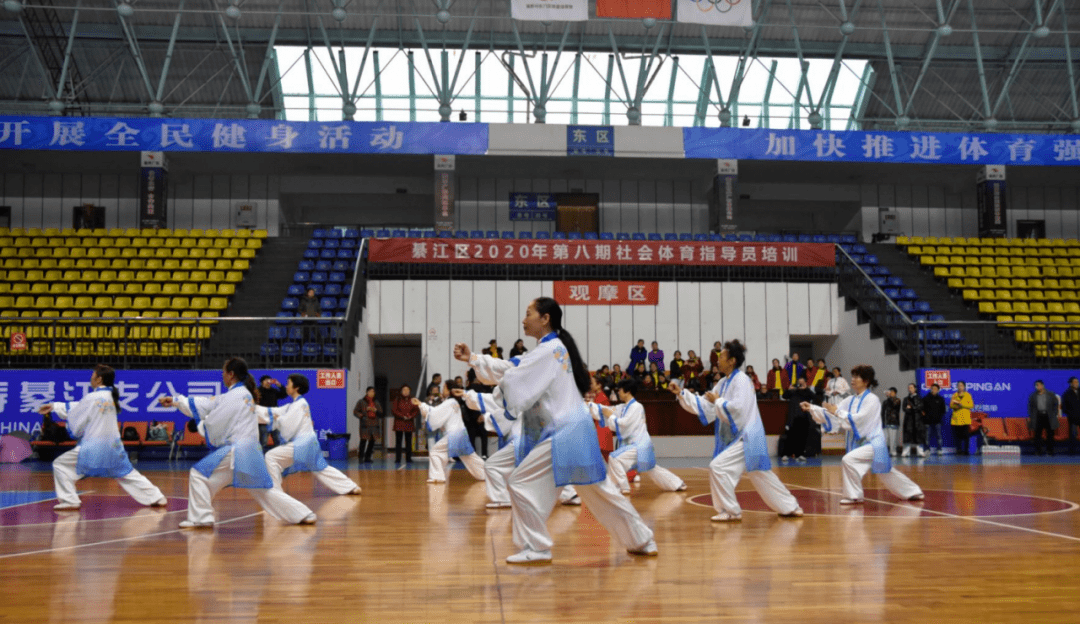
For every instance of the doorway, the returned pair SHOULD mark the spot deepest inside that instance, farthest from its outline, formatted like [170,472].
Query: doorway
[397,361]
[1030,229]
[578,212]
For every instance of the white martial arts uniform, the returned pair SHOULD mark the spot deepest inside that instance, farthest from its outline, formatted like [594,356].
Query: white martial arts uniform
[230,426]
[740,446]
[300,451]
[557,446]
[446,418]
[635,448]
[99,453]
[836,390]
[867,451]
[500,464]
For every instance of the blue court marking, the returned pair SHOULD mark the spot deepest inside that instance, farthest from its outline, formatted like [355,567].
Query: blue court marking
[14,499]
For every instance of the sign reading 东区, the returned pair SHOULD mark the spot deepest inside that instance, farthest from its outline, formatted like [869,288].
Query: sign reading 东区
[533,207]
[590,140]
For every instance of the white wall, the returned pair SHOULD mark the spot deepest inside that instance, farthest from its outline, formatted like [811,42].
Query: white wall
[195,201]
[689,316]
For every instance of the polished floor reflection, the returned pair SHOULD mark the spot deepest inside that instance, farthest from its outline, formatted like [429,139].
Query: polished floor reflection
[991,543]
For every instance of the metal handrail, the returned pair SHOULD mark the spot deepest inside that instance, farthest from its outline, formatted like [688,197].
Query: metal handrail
[870,280]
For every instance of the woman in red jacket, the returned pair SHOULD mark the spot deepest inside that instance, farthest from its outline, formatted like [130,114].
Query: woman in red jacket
[404,423]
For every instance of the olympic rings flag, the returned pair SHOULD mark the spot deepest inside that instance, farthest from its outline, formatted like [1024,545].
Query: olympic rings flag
[716,12]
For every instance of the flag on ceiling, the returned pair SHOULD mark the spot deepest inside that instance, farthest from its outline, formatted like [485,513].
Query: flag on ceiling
[715,12]
[550,10]
[635,9]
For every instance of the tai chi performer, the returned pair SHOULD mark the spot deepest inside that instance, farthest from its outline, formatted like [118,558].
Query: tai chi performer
[229,424]
[301,451]
[100,452]
[635,450]
[557,445]
[740,440]
[446,419]
[860,415]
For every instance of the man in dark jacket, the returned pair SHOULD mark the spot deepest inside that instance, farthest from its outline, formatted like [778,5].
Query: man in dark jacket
[797,427]
[1042,416]
[1070,406]
[890,420]
[270,393]
[914,429]
[933,413]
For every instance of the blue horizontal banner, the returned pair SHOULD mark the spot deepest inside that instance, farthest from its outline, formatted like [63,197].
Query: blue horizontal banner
[997,392]
[241,135]
[885,147]
[23,391]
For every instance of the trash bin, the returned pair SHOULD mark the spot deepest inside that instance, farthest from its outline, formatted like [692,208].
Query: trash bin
[337,445]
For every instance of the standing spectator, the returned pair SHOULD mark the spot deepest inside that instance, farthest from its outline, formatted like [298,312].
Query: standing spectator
[961,404]
[436,382]
[270,393]
[473,421]
[518,348]
[816,378]
[749,373]
[837,388]
[404,423]
[794,368]
[458,383]
[890,419]
[656,356]
[914,431]
[309,304]
[494,350]
[434,397]
[714,355]
[369,412]
[777,380]
[1070,406]
[692,368]
[933,414]
[638,355]
[676,365]
[797,427]
[1042,416]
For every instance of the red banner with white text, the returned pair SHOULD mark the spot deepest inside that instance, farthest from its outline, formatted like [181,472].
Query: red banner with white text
[600,252]
[607,293]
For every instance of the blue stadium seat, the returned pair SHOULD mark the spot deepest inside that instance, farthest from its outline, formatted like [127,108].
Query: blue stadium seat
[558,235]
[936,334]
[892,293]
[789,238]
[284,317]
[607,236]
[573,235]
[366,233]
[748,238]
[321,265]
[346,289]
[908,293]
[351,233]
[492,234]
[715,238]
[329,350]
[686,236]
[311,349]
[918,317]
[896,282]
[476,234]
[819,238]
[870,259]
[833,238]
[416,234]
[525,235]
[803,238]
[757,238]
[301,277]
[290,349]
[591,236]
[461,234]
[701,238]
[399,233]
[880,281]
[507,235]
[859,249]
[923,306]
[318,276]
[317,287]
[341,265]
[382,233]
[446,234]
[276,333]
[333,233]
[729,238]
[333,290]
[305,265]
[849,239]
[327,303]
[638,236]
[343,254]
[290,303]
[342,304]
[295,290]
[315,243]
[655,236]
[349,243]
[270,349]
[543,235]
[906,306]
[774,238]
[318,233]
[311,254]
[622,236]
[335,276]
[431,234]
[330,254]
[331,243]
[296,333]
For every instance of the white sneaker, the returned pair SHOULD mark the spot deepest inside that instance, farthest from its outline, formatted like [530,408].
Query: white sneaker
[784,459]
[309,519]
[939,452]
[188,524]
[530,556]
[499,505]
[850,501]
[800,459]
[917,498]
[648,550]
[637,478]
[726,517]
[681,488]
[572,502]
[797,513]
[907,452]
[625,492]
[921,452]
[355,491]
[67,507]
[160,503]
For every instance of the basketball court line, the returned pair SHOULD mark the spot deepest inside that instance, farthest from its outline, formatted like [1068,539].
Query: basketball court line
[120,539]
[498,579]
[946,514]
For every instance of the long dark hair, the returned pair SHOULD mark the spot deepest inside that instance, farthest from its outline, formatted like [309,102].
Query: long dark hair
[108,378]
[238,367]
[548,306]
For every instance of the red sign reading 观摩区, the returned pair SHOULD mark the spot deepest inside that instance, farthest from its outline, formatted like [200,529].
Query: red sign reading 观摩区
[607,293]
[600,252]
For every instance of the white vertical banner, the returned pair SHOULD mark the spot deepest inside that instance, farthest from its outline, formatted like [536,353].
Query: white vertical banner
[551,10]
[715,12]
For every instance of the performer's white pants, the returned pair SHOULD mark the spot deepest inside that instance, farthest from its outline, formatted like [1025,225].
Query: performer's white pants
[618,466]
[439,459]
[724,473]
[65,474]
[858,462]
[201,492]
[497,469]
[279,458]
[533,494]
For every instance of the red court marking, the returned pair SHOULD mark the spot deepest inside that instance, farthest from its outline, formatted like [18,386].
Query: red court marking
[94,507]
[937,504]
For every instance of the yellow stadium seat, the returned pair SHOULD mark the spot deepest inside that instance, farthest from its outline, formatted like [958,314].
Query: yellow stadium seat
[259,233]
[214,253]
[197,253]
[76,288]
[39,288]
[226,290]
[145,253]
[241,243]
[188,288]
[223,265]
[204,243]
[162,252]
[133,288]
[254,243]
[122,302]
[180,253]
[215,276]
[162,276]
[152,288]
[221,243]
[181,276]
[179,303]
[234,277]
[171,264]
[170,288]
[219,304]
[200,303]
[212,233]
[58,288]
[198,276]
[144,276]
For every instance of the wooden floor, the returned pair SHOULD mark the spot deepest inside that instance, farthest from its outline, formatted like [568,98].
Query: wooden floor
[986,547]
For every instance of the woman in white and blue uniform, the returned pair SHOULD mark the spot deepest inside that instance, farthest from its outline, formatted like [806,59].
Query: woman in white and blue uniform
[230,426]
[635,448]
[300,451]
[867,451]
[740,440]
[100,452]
[557,445]
[446,419]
